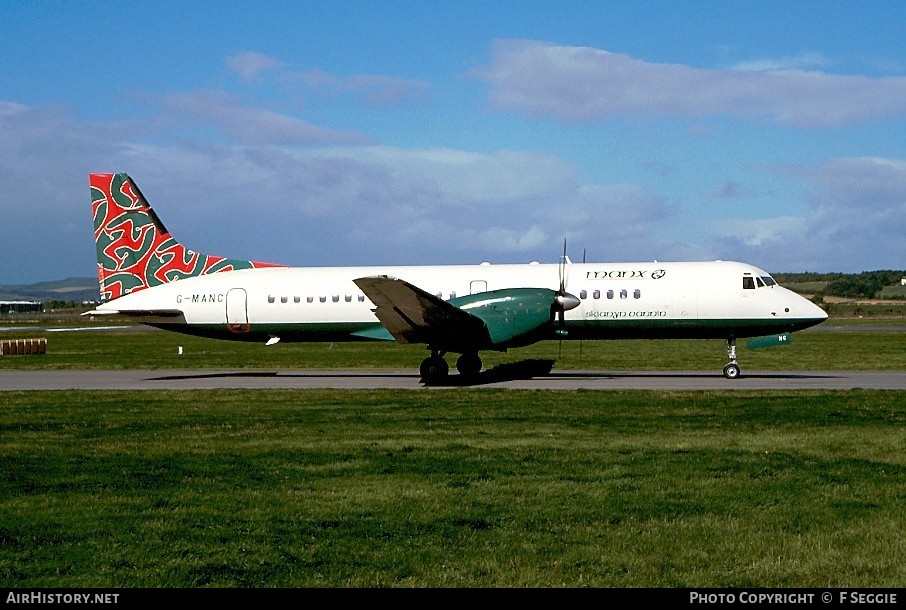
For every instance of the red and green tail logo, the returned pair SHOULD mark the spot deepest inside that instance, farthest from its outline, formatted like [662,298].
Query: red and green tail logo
[134,249]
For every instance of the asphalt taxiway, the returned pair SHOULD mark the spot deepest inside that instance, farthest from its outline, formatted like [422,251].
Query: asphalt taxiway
[528,376]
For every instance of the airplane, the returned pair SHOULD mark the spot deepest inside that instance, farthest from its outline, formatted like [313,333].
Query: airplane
[146,275]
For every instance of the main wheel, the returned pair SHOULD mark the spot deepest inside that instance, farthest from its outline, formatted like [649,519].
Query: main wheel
[468,365]
[433,368]
[731,371]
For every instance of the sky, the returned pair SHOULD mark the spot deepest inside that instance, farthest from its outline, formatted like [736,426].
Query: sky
[391,132]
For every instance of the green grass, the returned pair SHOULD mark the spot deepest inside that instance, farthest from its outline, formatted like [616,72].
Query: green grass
[809,350]
[893,292]
[452,488]
[886,313]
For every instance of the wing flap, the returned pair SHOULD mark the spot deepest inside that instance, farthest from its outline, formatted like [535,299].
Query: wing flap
[412,315]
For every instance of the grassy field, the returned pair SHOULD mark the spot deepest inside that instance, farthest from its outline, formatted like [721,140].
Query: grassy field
[453,488]
[893,292]
[464,488]
[808,350]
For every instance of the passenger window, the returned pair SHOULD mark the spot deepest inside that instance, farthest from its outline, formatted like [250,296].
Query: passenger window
[623,294]
[610,294]
[361,298]
[336,298]
[748,283]
[297,299]
[309,299]
[348,298]
[453,295]
[322,299]
[583,294]
[284,299]
[637,294]
[270,298]
[596,294]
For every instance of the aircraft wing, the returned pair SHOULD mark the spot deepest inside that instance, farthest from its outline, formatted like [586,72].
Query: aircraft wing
[412,315]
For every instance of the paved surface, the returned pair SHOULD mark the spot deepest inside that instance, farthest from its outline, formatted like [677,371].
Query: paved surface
[529,375]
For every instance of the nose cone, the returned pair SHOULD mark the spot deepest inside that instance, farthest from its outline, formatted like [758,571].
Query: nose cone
[819,314]
[807,313]
[566,301]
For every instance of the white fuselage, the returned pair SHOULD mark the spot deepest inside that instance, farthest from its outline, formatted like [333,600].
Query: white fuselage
[616,300]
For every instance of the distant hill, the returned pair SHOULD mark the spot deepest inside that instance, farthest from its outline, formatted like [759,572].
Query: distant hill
[76,289]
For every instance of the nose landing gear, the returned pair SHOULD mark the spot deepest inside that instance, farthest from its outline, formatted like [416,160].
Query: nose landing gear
[731,370]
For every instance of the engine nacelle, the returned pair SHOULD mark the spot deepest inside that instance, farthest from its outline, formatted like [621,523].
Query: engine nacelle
[510,313]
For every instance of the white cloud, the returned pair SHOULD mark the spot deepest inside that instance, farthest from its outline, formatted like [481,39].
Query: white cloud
[760,232]
[373,89]
[728,190]
[856,221]
[501,239]
[250,65]
[860,210]
[805,61]
[587,84]
[314,198]
[246,124]
[9,109]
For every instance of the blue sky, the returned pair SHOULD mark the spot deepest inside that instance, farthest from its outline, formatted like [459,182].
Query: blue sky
[392,132]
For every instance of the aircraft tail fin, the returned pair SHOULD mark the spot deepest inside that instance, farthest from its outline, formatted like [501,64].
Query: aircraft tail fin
[134,249]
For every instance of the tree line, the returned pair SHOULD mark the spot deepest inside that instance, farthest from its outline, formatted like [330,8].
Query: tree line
[866,285]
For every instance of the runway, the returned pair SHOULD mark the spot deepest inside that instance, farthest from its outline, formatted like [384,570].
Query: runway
[528,376]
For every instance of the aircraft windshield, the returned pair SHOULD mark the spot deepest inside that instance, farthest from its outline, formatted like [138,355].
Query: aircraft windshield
[749,282]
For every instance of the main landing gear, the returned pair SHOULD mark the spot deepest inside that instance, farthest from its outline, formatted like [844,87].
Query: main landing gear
[434,368]
[731,371]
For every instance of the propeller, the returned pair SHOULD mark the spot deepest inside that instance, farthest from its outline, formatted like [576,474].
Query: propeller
[564,301]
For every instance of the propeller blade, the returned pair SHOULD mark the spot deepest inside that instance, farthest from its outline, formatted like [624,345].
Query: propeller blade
[563,269]
[564,301]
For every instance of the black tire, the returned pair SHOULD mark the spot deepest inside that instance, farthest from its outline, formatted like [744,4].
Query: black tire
[731,371]
[468,365]
[434,368]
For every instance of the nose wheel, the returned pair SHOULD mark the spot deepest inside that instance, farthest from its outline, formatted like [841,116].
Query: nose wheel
[731,370]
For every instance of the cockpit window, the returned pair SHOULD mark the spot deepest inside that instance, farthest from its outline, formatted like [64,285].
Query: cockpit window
[760,282]
[748,282]
[768,280]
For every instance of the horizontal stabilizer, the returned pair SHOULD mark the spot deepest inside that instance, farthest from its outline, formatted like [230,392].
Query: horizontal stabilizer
[144,316]
[136,313]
